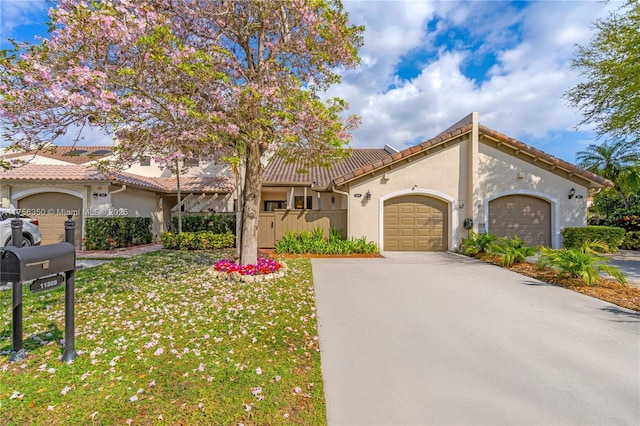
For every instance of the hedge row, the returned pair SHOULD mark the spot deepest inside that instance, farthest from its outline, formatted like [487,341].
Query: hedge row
[610,235]
[631,241]
[203,240]
[216,223]
[106,233]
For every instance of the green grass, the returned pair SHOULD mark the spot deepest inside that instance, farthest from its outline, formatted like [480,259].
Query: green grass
[161,342]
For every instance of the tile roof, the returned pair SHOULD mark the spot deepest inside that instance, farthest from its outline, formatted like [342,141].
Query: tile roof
[53,172]
[465,126]
[80,173]
[279,172]
[69,154]
[544,156]
[394,158]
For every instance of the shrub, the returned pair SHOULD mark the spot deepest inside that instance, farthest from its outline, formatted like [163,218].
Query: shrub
[583,262]
[216,223]
[511,250]
[315,243]
[629,223]
[477,243]
[203,240]
[609,235]
[631,241]
[106,233]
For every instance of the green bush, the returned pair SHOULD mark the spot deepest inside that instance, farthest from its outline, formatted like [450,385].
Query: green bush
[106,233]
[511,250]
[216,223]
[203,240]
[631,241]
[315,243]
[581,262]
[477,243]
[609,235]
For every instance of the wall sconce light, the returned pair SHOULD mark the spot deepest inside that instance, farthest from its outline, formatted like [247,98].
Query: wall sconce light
[94,195]
[572,192]
[368,195]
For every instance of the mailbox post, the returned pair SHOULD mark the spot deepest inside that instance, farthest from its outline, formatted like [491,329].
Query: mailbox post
[44,265]
[18,353]
[69,298]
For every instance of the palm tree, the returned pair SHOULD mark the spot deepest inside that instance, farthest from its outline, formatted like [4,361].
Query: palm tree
[612,160]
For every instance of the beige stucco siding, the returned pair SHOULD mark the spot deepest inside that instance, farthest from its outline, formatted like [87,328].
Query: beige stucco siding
[441,174]
[502,174]
[132,203]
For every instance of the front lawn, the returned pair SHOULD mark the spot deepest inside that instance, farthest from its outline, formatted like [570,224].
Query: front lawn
[162,342]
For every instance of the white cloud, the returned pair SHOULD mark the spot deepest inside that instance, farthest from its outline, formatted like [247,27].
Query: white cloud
[16,13]
[522,95]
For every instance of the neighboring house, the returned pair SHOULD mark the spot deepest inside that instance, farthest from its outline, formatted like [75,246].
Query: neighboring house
[63,179]
[421,198]
[426,197]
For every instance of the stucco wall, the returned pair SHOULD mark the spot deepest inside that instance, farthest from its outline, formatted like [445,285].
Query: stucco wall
[442,174]
[204,169]
[132,203]
[503,174]
[445,175]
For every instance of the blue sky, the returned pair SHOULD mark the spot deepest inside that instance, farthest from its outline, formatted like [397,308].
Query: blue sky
[426,64]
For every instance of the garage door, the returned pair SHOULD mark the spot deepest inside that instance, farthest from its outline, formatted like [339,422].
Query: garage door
[415,223]
[527,217]
[51,224]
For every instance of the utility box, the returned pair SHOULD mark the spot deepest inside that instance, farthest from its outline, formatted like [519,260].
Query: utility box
[20,264]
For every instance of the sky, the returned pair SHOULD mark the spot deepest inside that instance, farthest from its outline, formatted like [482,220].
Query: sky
[427,64]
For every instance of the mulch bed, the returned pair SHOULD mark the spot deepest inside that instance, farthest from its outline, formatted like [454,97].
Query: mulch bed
[605,289]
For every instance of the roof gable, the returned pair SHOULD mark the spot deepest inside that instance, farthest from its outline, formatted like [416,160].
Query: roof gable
[465,126]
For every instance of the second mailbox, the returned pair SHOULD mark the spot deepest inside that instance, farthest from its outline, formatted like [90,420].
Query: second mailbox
[19,264]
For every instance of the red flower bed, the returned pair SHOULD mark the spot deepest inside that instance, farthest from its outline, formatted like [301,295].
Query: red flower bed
[263,267]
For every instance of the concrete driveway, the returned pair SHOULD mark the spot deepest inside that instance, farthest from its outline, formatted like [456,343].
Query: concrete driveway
[438,338]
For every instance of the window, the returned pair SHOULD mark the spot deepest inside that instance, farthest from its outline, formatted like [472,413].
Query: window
[270,206]
[298,202]
[145,161]
[190,162]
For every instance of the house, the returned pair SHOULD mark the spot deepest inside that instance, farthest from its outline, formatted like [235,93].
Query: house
[64,179]
[426,197]
[429,196]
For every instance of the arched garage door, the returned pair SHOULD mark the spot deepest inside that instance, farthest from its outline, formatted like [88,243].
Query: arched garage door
[415,223]
[525,216]
[51,224]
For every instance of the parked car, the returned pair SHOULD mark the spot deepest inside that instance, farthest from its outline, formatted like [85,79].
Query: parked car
[31,235]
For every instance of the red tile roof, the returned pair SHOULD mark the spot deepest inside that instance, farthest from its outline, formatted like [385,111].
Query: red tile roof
[69,154]
[466,127]
[65,173]
[279,172]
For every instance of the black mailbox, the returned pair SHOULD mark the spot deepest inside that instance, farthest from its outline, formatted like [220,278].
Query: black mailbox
[19,264]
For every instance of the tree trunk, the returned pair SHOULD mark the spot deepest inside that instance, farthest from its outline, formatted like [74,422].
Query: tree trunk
[624,198]
[251,205]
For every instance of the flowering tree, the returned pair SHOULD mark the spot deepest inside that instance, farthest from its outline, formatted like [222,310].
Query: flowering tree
[223,79]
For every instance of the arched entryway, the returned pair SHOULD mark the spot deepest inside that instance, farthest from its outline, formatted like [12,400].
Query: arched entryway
[415,223]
